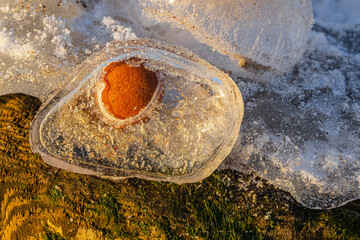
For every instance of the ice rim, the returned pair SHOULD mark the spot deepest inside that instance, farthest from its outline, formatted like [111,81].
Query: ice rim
[64,90]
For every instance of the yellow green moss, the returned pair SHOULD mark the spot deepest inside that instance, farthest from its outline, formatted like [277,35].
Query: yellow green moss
[38,201]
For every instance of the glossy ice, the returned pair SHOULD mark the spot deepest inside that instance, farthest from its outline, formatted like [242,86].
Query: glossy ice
[186,136]
[260,35]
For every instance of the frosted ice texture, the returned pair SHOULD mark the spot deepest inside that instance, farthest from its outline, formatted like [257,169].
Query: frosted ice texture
[43,40]
[260,35]
[301,132]
[186,137]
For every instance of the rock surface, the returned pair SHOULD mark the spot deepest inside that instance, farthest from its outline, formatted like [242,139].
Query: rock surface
[43,202]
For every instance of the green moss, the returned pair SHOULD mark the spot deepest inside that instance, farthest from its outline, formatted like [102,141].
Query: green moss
[197,210]
[226,205]
[112,209]
[56,194]
[218,208]
[51,235]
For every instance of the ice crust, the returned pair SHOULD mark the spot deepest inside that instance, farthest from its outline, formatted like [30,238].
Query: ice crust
[187,135]
[300,130]
[41,42]
[259,35]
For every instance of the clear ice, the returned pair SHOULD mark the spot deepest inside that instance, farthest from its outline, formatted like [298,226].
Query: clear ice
[187,135]
[300,131]
[260,35]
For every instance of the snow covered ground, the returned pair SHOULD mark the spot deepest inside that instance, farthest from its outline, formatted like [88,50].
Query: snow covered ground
[301,130]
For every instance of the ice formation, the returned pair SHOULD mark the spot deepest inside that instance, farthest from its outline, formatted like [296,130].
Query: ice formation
[300,131]
[259,35]
[189,130]
[42,41]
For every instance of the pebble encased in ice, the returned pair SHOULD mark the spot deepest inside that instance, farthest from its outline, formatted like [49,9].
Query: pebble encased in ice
[260,35]
[186,137]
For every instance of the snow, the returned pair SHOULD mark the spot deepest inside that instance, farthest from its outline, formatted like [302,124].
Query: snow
[344,12]
[118,31]
[10,46]
[300,129]
[61,35]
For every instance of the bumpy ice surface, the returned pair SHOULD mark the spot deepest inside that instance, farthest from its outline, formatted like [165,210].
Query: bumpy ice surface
[186,137]
[300,131]
[260,35]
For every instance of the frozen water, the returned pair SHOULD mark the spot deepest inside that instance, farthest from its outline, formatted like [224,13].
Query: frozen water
[300,131]
[36,49]
[187,135]
[260,35]
[53,38]
[332,12]
[41,42]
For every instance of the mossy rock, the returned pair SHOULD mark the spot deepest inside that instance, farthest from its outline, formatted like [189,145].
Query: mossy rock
[42,202]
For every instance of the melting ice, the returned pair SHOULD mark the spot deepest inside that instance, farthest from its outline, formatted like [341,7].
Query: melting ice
[300,130]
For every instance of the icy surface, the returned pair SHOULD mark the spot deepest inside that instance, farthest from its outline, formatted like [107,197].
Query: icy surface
[300,131]
[189,132]
[344,12]
[260,35]
[41,42]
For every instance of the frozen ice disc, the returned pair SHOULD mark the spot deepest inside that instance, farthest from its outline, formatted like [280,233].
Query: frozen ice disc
[260,35]
[189,126]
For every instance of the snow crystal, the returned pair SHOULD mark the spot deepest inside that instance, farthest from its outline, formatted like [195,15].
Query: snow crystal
[61,35]
[4,41]
[11,47]
[5,8]
[118,31]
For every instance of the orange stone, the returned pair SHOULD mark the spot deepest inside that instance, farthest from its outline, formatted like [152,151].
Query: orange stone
[128,89]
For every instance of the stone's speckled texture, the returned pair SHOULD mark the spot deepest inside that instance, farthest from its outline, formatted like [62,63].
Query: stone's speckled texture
[180,136]
[260,35]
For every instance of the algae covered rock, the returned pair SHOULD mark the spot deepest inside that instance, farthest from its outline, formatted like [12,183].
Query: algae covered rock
[42,202]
